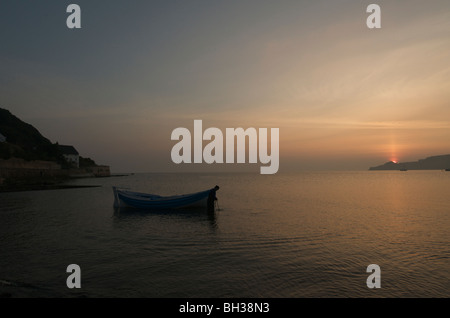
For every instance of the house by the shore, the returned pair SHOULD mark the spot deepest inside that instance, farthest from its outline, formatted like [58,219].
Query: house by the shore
[71,155]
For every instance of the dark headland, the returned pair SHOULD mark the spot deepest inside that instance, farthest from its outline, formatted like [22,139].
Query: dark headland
[29,161]
[441,162]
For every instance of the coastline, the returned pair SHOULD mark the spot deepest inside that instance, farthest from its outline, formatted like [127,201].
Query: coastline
[20,175]
[41,184]
[42,187]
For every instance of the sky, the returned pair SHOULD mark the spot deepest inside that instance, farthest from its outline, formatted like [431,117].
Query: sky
[344,97]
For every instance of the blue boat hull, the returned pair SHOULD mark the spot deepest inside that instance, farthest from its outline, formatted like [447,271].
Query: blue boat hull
[139,200]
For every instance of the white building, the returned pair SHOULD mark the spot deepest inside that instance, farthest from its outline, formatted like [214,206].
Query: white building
[71,155]
[2,138]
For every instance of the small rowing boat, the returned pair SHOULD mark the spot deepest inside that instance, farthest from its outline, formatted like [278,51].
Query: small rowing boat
[125,198]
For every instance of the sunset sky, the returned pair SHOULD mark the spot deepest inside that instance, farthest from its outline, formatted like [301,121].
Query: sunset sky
[342,95]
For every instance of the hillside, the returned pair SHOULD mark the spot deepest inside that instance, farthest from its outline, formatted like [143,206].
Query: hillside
[24,141]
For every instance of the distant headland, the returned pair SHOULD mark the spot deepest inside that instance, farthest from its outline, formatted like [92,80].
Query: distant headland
[441,162]
[28,160]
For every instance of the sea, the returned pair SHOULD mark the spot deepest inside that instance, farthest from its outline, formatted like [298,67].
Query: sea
[299,235]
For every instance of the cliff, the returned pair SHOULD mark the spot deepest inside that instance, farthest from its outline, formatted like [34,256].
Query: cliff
[441,162]
[28,158]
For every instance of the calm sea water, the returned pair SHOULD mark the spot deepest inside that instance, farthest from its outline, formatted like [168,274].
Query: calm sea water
[310,234]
